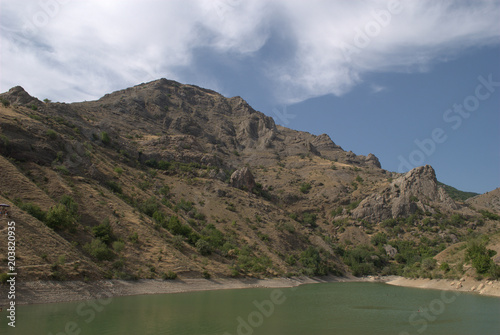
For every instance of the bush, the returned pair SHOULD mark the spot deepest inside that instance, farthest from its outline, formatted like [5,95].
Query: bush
[309,218]
[33,210]
[178,242]
[206,274]
[103,232]
[203,247]
[445,267]
[479,256]
[169,275]
[114,186]
[379,239]
[99,250]
[118,170]
[51,134]
[105,138]
[186,206]
[353,205]
[4,277]
[5,102]
[63,169]
[134,238]
[489,215]
[58,217]
[118,246]
[305,187]
[313,263]
[150,206]
[429,264]
[70,204]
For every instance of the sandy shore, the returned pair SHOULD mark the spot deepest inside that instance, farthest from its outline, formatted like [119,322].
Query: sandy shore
[42,292]
[484,287]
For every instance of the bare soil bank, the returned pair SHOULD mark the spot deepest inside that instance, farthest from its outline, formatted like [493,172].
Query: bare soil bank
[484,287]
[42,292]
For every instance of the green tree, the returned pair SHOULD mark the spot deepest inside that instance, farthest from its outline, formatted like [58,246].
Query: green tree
[58,217]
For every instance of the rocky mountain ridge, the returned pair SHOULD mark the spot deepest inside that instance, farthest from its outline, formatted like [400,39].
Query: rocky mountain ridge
[165,178]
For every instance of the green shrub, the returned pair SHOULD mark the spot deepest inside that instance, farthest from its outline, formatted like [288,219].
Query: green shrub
[206,274]
[118,246]
[379,239]
[51,134]
[99,250]
[309,218]
[489,215]
[114,186]
[413,199]
[353,205]
[3,278]
[313,263]
[169,275]
[305,187]
[445,267]
[5,102]
[214,236]
[58,217]
[203,247]
[337,211]
[186,206]
[105,138]
[479,256]
[178,242]
[429,264]
[150,206]
[33,210]
[118,170]
[134,238]
[103,232]
[70,204]
[63,169]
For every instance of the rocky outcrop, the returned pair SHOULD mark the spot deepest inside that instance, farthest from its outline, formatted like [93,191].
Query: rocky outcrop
[18,96]
[243,179]
[371,159]
[404,196]
[390,250]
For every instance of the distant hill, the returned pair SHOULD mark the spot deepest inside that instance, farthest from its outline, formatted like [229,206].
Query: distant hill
[457,194]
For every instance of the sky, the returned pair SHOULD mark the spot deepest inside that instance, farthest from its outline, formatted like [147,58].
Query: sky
[413,82]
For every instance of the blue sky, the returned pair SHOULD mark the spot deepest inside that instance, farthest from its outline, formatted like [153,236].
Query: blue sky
[379,77]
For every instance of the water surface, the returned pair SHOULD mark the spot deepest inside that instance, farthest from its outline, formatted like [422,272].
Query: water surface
[317,309]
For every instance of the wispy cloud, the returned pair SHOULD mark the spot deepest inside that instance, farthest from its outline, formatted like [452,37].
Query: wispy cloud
[76,50]
[377,88]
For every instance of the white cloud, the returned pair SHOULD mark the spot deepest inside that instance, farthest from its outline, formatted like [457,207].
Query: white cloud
[76,50]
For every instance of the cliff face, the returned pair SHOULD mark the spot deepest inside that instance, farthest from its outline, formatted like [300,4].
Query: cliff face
[415,190]
[167,177]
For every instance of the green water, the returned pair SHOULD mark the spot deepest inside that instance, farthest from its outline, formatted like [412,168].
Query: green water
[318,309]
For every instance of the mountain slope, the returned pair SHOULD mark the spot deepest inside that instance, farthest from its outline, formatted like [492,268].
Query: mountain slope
[166,178]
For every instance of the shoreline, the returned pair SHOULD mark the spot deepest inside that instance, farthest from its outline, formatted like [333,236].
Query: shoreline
[466,285]
[45,292]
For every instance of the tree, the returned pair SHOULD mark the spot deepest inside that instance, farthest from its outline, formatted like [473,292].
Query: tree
[58,217]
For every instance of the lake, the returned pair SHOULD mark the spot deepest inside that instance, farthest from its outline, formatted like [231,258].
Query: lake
[316,309]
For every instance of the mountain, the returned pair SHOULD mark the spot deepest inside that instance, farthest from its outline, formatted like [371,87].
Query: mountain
[165,179]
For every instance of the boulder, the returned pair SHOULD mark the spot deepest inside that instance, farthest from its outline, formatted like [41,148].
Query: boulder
[243,179]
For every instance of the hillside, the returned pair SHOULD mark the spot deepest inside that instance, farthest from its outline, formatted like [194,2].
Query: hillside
[165,179]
